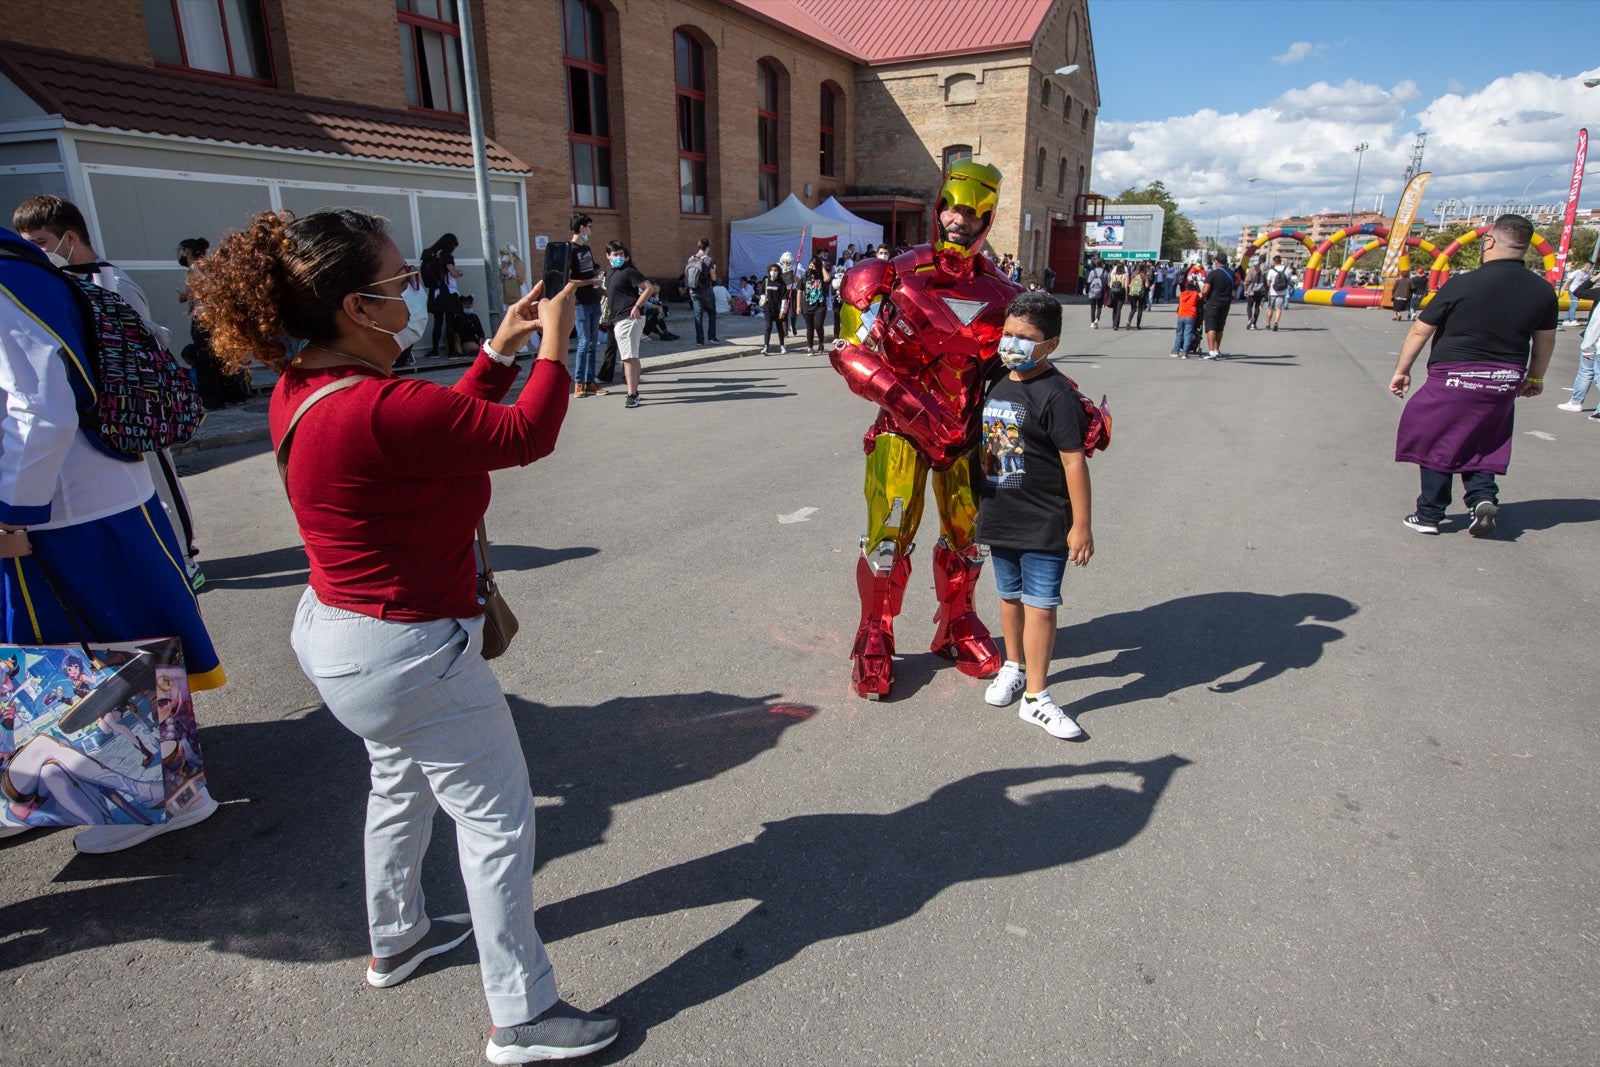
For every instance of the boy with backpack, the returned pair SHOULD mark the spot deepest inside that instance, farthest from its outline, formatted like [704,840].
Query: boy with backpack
[1034,512]
[59,230]
[700,278]
[1280,283]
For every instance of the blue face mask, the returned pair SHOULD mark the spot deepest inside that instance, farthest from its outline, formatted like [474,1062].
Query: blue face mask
[1017,353]
[618,261]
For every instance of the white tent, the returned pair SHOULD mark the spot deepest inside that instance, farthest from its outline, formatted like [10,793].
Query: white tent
[754,243]
[861,234]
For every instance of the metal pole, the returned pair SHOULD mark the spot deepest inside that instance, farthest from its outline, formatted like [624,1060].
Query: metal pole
[480,162]
[1350,240]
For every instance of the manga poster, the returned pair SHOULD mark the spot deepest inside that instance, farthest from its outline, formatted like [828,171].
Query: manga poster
[107,737]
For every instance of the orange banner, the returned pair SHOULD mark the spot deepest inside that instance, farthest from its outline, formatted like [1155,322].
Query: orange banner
[1400,228]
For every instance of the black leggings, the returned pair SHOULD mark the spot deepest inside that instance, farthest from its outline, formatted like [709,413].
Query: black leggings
[448,305]
[816,328]
[774,318]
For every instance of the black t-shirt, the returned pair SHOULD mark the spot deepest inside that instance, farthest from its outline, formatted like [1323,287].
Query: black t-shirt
[623,286]
[1026,427]
[776,291]
[1490,314]
[1221,281]
[582,270]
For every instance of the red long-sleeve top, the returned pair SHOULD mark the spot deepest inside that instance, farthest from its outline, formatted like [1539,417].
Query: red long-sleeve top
[388,479]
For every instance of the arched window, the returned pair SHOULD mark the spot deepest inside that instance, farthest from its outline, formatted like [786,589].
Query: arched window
[693,184]
[1061,177]
[1080,181]
[1038,171]
[961,88]
[583,55]
[955,152]
[1066,107]
[1044,92]
[767,134]
[832,116]
[1083,124]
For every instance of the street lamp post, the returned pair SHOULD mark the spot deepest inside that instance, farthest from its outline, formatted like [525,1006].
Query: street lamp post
[1349,241]
[1522,200]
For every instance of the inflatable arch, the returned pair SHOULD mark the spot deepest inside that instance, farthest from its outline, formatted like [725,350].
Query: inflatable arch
[1383,242]
[1441,264]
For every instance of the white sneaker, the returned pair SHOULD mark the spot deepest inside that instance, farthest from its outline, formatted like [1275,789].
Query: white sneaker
[784,349]
[1042,711]
[1006,685]
[101,839]
[1569,406]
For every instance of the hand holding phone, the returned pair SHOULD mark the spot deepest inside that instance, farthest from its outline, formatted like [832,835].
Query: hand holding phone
[558,257]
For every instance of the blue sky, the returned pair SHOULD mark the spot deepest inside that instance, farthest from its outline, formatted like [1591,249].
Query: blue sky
[1283,90]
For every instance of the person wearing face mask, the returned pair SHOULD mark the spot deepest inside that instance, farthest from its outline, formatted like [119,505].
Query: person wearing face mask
[627,290]
[585,375]
[772,294]
[88,516]
[1034,514]
[59,230]
[388,480]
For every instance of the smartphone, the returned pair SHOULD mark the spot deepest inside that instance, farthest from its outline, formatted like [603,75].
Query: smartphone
[557,266]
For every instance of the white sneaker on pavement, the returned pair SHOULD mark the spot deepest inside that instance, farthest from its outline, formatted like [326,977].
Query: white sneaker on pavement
[1007,685]
[1569,406]
[115,838]
[1040,710]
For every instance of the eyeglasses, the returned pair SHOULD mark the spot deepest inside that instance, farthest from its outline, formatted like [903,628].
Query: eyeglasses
[408,276]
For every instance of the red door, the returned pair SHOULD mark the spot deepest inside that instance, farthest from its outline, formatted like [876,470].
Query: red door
[1066,255]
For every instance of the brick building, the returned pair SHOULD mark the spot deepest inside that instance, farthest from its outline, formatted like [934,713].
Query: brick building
[666,120]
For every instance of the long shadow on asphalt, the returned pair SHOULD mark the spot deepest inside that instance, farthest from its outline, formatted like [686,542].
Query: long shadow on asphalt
[281,567]
[817,878]
[1518,516]
[1197,640]
[277,872]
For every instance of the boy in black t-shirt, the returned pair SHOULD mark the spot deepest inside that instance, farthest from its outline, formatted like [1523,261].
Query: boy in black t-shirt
[1034,513]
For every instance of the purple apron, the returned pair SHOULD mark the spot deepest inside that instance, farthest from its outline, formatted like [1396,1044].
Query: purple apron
[1460,420]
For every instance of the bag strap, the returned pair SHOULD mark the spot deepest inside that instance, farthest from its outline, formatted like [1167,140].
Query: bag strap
[306,405]
[485,572]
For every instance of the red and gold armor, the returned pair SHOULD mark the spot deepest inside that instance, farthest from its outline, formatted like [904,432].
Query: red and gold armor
[918,338]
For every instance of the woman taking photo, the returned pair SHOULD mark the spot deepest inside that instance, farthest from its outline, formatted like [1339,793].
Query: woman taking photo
[814,304]
[627,290]
[439,274]
[388,480]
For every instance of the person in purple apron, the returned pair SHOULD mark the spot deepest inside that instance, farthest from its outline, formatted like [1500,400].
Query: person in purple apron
[1493,331]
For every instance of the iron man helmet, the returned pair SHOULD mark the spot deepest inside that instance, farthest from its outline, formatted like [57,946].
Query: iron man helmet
[971,185]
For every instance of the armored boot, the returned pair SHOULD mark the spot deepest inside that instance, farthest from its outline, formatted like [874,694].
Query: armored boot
[961,635]
[881,577]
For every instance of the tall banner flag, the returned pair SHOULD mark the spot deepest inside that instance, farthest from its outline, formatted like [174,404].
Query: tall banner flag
[1572,204]
[1400,228]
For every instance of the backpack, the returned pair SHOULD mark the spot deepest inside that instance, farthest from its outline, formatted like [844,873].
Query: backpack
[1095,285]
[695,275]
[1116,283]
[1136,285]
[430,270]
[1280,280]
[135,397]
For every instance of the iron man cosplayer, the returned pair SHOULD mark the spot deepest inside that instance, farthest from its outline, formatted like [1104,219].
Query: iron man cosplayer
[918,338]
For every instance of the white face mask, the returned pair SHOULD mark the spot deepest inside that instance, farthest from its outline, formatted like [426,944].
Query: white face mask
[1017,353]
[56,257]
[416,302]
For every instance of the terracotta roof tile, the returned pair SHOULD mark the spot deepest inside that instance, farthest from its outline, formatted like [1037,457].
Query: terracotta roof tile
[94,92]
[898,31]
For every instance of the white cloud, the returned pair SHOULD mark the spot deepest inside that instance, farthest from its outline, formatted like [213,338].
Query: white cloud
[1298,51]
[1482,146]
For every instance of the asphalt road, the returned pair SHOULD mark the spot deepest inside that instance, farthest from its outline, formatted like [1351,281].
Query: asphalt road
[1337,805]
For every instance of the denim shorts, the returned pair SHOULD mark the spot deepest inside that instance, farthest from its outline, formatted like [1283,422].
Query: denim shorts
[1032,577]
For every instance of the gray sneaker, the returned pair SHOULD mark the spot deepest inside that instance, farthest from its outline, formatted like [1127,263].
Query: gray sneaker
[561,1032]
[1483,513]
[444,934]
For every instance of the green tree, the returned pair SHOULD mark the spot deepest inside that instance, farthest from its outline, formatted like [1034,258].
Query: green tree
[1177,232]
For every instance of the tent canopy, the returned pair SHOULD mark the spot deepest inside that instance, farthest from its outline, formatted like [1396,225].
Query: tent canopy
[861,234]
[755,242]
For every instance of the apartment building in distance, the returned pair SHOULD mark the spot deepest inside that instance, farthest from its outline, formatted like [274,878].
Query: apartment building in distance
[665,120]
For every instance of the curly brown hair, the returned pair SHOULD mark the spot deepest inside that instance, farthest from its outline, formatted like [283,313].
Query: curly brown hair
[283,278]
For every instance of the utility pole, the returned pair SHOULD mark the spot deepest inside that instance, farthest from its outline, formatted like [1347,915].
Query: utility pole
[1350,241]
[480,163]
